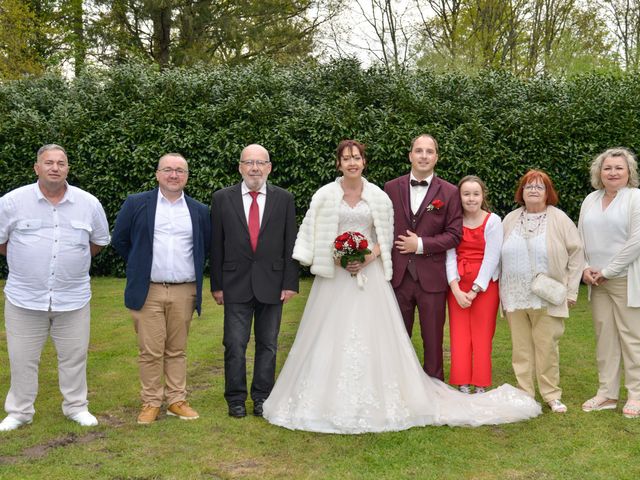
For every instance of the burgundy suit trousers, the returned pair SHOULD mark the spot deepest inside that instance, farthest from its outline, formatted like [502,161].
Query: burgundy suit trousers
[431,311]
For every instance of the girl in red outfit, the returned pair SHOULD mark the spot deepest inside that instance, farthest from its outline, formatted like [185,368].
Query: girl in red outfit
[472,273]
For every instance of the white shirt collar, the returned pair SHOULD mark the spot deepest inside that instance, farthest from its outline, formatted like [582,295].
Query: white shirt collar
[67,197]
[428,179]
[245,189]
[162,198]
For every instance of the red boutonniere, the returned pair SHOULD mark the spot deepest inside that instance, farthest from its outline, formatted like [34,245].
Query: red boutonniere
[435,205]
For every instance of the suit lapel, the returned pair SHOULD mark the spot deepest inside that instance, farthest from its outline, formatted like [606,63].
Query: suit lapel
[269,205]
[195,224]
[405,196]
[434,188]
[238,206]
[152,204]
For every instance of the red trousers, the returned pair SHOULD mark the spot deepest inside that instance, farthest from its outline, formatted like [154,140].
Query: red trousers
[471,334]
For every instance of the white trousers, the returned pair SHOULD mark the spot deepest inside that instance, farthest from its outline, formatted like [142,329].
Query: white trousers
[27,332]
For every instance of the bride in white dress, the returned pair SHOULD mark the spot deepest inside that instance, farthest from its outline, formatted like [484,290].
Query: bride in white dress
[352,367]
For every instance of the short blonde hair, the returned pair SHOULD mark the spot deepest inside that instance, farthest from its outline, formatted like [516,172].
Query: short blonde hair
[596,166]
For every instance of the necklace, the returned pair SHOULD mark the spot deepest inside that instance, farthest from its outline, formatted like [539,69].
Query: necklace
[532,223]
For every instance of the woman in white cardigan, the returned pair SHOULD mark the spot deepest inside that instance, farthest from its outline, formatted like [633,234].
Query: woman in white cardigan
[352,367]
[610,228]
[538,238]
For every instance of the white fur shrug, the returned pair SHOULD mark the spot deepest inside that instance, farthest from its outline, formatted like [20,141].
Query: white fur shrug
[319,229]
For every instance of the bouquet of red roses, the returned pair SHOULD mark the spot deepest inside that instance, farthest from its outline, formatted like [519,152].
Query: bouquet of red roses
[350,247]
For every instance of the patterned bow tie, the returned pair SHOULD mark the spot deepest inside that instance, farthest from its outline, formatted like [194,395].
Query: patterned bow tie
[421,183]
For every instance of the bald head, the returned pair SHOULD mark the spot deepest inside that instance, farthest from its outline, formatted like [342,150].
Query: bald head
[255,166]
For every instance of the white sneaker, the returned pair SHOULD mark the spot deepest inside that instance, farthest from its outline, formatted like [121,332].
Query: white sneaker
[465,388]
[84,419]
[10,423]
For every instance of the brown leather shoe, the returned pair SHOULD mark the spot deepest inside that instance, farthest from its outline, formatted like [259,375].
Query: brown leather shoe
[148,414]
[182,410]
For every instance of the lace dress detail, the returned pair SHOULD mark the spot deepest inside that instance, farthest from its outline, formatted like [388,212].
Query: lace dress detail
[357,219]
[517,275]
[352,367]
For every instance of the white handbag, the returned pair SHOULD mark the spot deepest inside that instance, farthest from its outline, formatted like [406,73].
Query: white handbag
[545,287]
[549,289]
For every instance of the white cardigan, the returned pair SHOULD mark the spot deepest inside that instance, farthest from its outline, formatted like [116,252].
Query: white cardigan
[490,267]
[319,229]
[630,253]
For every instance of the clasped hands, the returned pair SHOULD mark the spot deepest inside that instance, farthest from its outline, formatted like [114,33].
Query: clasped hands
[354,267]
[594,277]
[464,299]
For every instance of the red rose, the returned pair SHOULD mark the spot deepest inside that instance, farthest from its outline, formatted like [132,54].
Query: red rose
[363,244]
[343,238]
[339,245]
[437,204]
[351,243]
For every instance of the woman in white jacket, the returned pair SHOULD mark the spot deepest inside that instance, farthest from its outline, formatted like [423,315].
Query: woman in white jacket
[352,367]
[609,225]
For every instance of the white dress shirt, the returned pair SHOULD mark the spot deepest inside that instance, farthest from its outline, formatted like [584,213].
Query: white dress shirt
[247,199]
[172,242]
[48,249]
[417,195]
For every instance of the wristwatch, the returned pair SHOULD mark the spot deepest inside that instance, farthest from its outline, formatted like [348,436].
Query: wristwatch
[475,288]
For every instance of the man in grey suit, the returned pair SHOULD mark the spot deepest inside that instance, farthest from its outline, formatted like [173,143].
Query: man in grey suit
[252,274]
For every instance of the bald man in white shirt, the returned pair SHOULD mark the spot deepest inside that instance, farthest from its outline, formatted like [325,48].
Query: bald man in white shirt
[49,231]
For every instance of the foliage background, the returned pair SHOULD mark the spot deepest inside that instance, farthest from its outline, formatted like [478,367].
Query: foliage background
[116,123]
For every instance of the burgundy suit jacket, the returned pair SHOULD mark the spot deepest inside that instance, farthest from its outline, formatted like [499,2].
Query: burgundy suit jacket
[440,230]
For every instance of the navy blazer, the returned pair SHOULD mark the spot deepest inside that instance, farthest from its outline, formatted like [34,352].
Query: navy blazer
[132,238]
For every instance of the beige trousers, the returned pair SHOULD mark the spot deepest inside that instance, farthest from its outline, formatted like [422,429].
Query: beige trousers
[536,356]
[162,326]
[617,338]
[27,332]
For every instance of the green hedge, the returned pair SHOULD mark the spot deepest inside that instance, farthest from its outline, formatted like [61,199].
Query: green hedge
[115,124]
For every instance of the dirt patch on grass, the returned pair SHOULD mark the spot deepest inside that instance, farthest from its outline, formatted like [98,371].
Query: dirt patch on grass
[112,420]
[38,451]
[243,468]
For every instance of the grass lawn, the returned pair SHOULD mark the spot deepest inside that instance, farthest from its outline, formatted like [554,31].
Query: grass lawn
[577,445]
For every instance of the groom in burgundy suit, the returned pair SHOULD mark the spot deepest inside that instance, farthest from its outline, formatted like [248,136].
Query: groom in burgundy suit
[427,222]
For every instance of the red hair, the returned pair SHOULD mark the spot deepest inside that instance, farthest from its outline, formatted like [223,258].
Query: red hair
[532,176]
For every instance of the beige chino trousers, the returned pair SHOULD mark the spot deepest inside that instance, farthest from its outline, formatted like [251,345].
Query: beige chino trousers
[536,354]
[617,330]
[162,326]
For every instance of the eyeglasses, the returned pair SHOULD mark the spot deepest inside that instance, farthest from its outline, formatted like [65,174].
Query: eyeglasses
[535,186]
[178,171]
[257,163]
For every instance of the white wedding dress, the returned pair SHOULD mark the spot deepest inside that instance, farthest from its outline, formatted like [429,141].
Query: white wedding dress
[352,367]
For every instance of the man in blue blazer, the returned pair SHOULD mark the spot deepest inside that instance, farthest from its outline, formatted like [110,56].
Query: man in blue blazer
[163,236]
[252,274]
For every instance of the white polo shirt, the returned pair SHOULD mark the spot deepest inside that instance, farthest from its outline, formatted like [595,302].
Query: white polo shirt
[48,250]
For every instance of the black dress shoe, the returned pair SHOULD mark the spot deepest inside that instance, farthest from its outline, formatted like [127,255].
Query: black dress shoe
[257,408]
[237,411]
